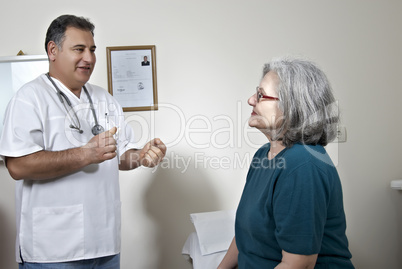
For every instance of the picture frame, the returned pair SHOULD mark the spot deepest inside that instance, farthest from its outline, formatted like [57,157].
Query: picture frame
[132,77]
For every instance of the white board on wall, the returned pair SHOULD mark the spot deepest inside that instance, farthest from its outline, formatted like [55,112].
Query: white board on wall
[15,71]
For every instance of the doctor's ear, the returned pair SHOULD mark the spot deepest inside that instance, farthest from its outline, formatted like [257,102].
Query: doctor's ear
[52,50]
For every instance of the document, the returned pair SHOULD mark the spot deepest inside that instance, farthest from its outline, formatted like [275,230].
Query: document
[132,79]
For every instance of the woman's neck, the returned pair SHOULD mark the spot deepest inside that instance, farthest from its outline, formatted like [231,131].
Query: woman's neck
[275,148]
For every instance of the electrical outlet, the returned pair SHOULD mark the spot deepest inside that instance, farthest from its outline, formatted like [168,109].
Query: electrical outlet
[341,134]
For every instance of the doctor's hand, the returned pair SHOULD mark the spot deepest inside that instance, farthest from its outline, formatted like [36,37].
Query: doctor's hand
[152,153]
[101,147]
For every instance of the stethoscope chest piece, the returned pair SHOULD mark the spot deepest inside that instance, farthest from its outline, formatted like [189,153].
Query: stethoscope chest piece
[97,129]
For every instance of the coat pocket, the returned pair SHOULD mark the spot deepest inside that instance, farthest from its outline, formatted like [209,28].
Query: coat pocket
[58,233]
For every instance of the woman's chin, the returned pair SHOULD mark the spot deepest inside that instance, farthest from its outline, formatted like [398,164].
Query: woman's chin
[255,123]
[252,122]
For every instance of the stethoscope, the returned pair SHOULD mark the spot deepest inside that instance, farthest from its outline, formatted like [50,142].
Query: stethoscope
[97,129]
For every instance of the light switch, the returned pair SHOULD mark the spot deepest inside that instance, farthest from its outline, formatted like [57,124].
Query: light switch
[341,135]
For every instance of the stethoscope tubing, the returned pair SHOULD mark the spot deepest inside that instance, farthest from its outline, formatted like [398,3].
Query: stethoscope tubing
[97,128]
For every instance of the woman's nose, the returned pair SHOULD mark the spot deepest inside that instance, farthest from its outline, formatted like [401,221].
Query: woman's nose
[252,101]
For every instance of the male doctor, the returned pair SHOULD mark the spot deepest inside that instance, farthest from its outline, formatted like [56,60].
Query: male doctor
[64,141]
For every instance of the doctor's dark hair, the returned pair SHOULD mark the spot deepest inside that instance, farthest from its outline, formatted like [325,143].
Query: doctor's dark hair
[310,111]
[57,29]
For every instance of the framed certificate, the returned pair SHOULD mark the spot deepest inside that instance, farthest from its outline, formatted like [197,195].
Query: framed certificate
[132,77]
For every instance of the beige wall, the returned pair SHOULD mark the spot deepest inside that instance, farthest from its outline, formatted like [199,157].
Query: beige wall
[209,59]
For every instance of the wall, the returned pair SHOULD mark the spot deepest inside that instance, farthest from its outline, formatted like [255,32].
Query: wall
[209,59]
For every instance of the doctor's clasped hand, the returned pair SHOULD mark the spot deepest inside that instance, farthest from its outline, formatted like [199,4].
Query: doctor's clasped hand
[149,156]
[103,147]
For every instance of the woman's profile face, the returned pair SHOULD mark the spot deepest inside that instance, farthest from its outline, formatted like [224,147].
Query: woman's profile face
[266,115]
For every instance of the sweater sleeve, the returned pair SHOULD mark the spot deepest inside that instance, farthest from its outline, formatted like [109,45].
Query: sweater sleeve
[300,209]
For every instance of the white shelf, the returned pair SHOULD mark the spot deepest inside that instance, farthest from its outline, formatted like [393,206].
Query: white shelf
[396,184]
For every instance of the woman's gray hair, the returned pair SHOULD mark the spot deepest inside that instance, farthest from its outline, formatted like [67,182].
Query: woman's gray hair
[310,111]
[57,29]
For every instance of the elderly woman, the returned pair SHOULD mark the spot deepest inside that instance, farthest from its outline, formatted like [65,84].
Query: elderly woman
[291,211]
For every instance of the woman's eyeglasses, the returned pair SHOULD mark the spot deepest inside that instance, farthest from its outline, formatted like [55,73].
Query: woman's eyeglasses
[260,95]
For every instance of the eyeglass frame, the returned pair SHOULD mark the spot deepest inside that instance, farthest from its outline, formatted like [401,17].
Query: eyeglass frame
[259,95]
